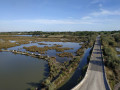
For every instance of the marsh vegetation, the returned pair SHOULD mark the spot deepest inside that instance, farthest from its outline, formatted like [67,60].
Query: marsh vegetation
[111,60]
[42,50]
[65,54]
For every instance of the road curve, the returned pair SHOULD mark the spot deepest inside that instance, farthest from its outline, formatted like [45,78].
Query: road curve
[95,76]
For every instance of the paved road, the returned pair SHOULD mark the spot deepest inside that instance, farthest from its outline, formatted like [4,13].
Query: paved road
[95,77]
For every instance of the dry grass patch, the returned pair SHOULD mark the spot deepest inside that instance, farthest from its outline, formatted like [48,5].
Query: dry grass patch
[110,77]
[65,54]
[42,50]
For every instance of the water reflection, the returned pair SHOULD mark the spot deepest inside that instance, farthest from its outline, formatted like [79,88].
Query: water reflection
[18,71]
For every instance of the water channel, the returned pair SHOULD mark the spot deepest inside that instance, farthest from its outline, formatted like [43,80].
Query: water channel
[73,81]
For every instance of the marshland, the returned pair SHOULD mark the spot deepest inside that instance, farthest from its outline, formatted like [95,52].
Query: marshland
[60,55]
[55,61]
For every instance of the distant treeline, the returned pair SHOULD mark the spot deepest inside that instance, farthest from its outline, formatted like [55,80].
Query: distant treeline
[77,33]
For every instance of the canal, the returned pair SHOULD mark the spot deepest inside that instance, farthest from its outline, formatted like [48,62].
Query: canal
[73,81]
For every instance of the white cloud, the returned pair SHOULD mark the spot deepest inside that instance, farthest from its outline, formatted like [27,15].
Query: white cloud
[95,1]
[100,5]
[86,17]
[70,17]
[45,21]
[49,21]
[86,24]
[105,12]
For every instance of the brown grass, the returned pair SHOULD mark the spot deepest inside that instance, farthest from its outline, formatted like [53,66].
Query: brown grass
[65,54]
[43,50]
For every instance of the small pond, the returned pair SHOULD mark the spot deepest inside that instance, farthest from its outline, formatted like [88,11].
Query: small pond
[118,55]
[118,50]
[12,41]
[20,72]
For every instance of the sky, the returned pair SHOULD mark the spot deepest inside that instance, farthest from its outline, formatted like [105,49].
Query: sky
[59,15]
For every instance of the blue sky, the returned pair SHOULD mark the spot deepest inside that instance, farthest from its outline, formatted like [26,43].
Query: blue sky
[59,15]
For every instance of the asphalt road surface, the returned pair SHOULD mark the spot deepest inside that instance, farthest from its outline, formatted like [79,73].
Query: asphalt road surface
[95,78]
